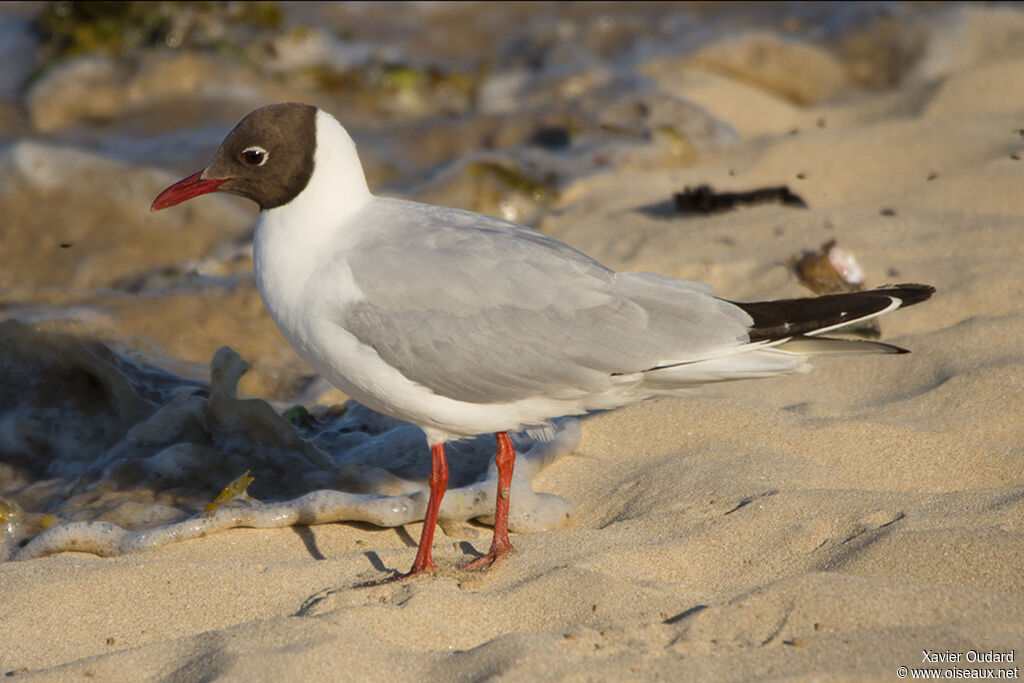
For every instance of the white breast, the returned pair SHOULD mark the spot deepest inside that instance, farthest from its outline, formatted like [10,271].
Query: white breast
[300,261]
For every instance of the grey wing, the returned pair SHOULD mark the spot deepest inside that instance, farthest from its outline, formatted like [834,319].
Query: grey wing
[482,310]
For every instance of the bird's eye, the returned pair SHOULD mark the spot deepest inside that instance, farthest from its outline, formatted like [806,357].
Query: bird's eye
[255,155]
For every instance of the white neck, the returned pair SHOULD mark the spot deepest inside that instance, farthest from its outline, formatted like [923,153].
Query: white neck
[293,240]
[337,188]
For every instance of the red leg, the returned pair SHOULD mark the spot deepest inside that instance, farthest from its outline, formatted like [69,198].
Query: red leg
[438,484]
[500,544]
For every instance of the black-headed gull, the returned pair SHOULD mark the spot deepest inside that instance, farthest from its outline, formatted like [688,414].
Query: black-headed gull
[465,324]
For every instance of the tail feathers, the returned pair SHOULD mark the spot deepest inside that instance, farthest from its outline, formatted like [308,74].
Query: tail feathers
[830,346]
[784,319]
[784,333]
[751,364]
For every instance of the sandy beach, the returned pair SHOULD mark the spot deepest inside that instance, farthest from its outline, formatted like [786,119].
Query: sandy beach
[832,526]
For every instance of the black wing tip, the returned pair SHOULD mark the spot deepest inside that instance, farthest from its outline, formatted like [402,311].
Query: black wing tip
[789,317]
[909,293]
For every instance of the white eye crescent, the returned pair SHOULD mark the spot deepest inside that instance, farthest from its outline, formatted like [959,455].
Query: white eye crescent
[255,155]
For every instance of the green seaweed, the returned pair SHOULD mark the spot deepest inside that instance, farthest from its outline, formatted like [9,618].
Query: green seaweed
[115,28]
[389,86]
[298,416]
[121,29]
[515,179]
[236,490]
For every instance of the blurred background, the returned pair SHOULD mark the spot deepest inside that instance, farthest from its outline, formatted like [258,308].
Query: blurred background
[493,107]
